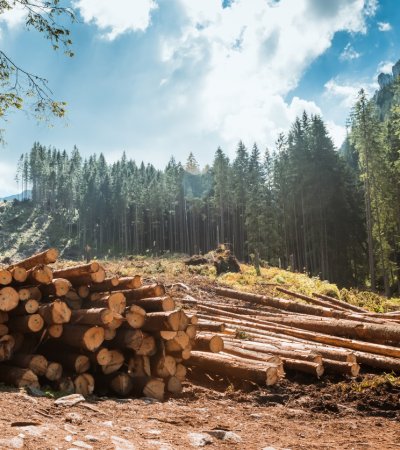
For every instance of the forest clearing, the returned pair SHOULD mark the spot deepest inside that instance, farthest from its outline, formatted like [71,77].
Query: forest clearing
[199,224]
[273,373]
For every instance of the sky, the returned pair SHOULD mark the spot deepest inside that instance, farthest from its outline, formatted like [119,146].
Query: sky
[157,78]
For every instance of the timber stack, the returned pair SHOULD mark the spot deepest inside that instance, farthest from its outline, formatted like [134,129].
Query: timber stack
[78,330]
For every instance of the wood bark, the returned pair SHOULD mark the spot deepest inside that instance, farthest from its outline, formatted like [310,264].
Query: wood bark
[75,271]
[40,274]
[47,257]
[208,343]
[239,368]
[154,304]
[56,312]
[152,290]
[81,336]
[37,363]
[26,324]
[340,303]
[92,316]
[58,287]
[384,350]
[18,377]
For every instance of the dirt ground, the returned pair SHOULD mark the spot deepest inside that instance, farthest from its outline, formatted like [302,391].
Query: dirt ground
[297,413]
[291,415]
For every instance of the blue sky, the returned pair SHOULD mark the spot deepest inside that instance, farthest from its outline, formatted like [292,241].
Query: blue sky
[157,78]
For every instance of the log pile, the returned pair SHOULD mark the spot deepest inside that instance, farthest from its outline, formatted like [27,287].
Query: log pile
[316,335]
[77,330]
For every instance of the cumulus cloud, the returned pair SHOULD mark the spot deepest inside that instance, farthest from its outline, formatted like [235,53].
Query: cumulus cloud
[14,17]
[118,16]
[384,26]
[349,53]
[346,93]
[385,67]
[252,54]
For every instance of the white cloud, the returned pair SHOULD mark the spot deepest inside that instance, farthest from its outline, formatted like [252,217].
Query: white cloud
[252,55]
[14,17]
[336,132]
[385,67]
[349,53]
[347,93]
[384,26]
[118,16]
[8,183]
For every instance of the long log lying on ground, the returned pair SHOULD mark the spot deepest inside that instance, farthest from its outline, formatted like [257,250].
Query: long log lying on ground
[312,300]
[340,303]
[378,349]
[380,333]
[345,328]
[291,344]
[301,354]
[280,303]
[47,257]
[238,368]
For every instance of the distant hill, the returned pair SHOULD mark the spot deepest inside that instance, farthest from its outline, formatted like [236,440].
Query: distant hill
[24,195]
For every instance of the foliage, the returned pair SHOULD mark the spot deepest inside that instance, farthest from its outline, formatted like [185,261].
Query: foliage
[20,87]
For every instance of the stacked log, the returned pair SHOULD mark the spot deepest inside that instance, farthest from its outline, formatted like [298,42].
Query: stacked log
[82,331]
[77,329]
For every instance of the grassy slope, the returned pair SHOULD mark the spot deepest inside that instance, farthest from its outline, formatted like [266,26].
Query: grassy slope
[23,230]
[172,269]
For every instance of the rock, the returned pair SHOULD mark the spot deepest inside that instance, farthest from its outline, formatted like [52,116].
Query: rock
[91,438]
[396,69]
[384,79]
[122,444]
[74,418]
[9,443]
[199,439]
[70,400]
[160,445]
[81,444]
[35,391]
[228,436]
